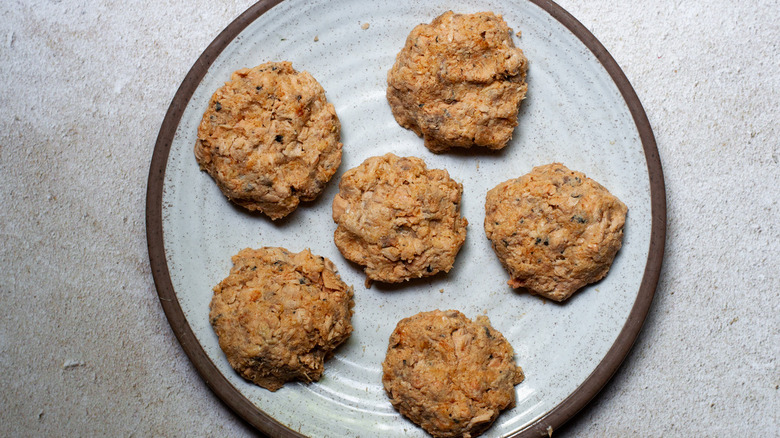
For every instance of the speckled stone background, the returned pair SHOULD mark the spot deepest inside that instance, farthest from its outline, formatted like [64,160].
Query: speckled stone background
[85,348]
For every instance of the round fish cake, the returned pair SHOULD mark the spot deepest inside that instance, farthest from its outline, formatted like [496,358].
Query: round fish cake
[448,374]
[555,230]
[270,139]
[398,218]
[279,315]
[458,82]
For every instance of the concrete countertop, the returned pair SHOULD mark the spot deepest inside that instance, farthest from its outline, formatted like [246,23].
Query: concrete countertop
[86,350]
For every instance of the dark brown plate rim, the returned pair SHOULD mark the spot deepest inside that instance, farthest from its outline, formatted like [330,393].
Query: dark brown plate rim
[554,418]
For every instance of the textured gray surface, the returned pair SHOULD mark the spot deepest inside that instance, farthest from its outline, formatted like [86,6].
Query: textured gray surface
[85,347]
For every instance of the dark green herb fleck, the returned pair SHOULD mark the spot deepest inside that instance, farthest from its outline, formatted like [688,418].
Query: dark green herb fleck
[579,219]
[218,106]
[279,138]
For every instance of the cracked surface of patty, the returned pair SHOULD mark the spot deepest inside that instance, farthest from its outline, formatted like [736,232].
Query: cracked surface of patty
[270,139]
[279,315]
[555,230]
[399,219]
[448,374]
[459,81]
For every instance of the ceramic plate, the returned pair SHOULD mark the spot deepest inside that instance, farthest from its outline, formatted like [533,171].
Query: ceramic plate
[580,110]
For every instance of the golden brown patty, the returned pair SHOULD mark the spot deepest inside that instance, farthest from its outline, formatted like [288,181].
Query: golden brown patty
[398,218]
[555,230]
[458,82]
[278,315]
[448,374]
[270,139]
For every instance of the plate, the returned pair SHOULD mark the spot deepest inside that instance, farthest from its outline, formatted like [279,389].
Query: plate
[580,110]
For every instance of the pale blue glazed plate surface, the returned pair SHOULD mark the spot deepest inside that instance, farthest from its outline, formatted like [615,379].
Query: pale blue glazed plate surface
[574,113]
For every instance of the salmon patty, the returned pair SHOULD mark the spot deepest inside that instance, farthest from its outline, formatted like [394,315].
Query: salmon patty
[279,315]
[555,230]
[448,374]
[270,139]
[399,219]
[458,82]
